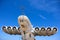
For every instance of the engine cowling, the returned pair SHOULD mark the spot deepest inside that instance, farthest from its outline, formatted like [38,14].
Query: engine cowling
[14,30]
[4,29]
[42,29]
[37,29]
[49,31]
[54,30]
[9,29]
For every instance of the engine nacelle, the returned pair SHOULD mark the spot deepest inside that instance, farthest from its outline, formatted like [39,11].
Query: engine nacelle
[4,29]
[9,29]
[14,30]
[49,31]
[43,31]
[37,29]
[54,30]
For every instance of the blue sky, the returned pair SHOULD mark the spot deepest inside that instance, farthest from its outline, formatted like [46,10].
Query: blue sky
[40,12]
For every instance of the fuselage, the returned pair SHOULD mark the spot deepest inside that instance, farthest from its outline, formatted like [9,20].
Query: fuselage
[25,27]
[24,23]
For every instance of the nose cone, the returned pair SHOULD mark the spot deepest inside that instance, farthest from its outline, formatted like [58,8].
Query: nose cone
[22,20]
[22,17]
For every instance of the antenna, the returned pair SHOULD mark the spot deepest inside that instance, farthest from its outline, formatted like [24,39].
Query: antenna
[22,10]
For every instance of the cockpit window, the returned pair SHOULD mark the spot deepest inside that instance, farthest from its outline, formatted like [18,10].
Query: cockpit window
[21,20]
[26,20]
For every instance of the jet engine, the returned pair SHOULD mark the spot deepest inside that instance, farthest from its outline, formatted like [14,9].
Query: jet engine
[4,29]
[14,30]
[54,30]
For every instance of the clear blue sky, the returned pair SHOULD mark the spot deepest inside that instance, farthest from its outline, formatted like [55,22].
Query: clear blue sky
[40,12]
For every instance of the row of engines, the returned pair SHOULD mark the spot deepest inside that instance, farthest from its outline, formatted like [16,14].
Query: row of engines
[11,30]
[37,31]
[45,31]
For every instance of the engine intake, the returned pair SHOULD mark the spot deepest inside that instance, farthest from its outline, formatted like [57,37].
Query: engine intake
[43,29]
[3,27]
[36,28]
[14,28]
[9,27]
[55,29]
[49,29]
